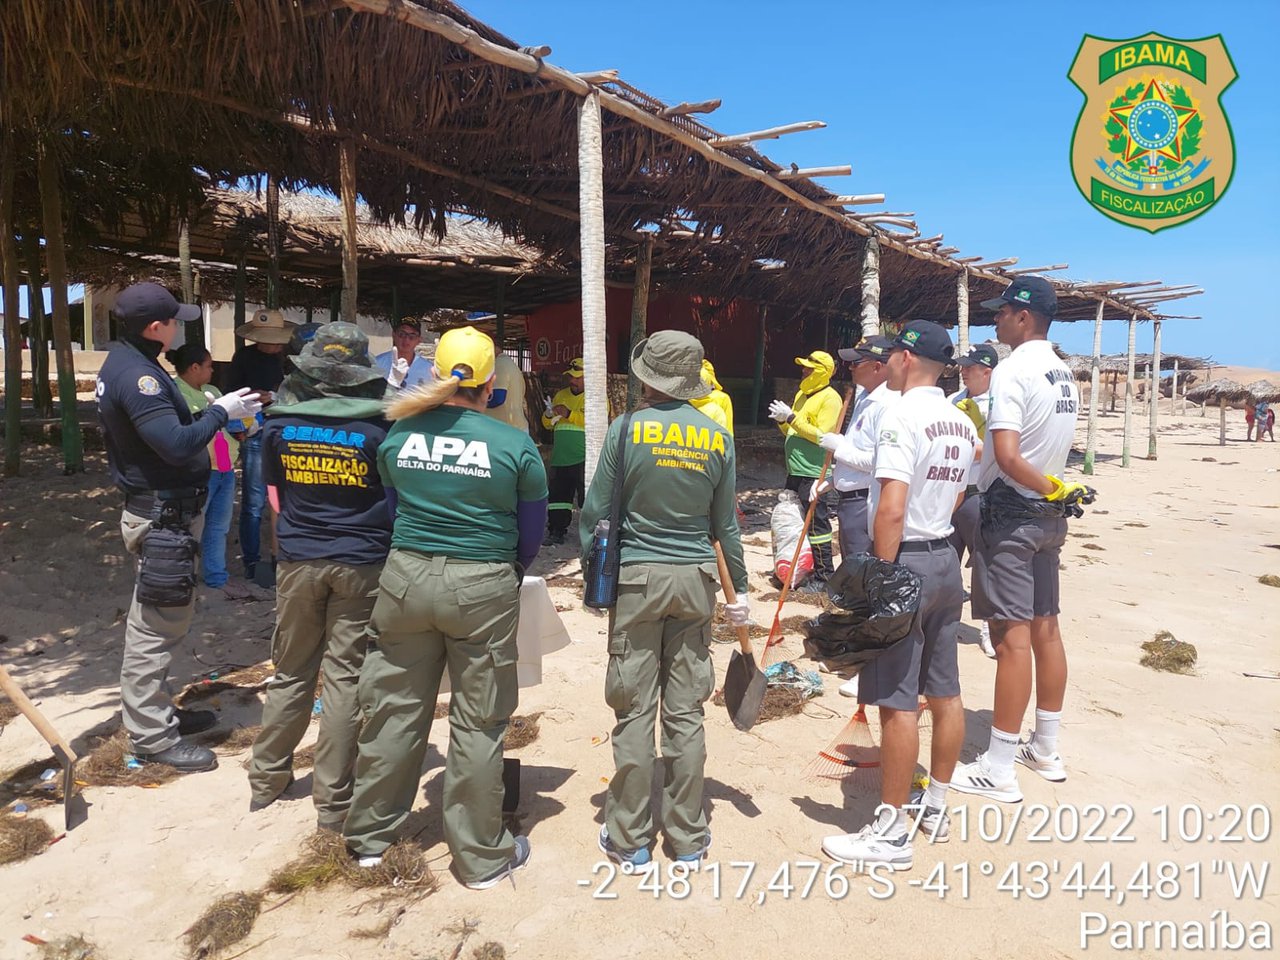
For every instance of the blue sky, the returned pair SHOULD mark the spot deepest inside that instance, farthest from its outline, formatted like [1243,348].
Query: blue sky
[963,113]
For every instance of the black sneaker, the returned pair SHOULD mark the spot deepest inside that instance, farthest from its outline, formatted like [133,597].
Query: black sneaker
[196,721]
[183,756]
[554,538]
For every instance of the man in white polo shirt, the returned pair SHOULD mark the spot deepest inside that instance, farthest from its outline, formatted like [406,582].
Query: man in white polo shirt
[1024,509]
[923,456]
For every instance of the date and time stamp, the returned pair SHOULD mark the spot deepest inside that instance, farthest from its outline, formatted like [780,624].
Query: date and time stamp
[1223,862]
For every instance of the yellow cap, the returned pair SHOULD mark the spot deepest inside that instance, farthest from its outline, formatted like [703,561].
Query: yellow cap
[709,375]
[576,368]
[465,347]
[819,359]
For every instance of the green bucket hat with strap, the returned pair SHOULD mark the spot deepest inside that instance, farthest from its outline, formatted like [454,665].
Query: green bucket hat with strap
[338,355]
[671,362]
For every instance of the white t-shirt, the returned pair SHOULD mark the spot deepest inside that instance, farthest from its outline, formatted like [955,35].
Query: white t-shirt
[1035,394]
[928,444]
[856,454]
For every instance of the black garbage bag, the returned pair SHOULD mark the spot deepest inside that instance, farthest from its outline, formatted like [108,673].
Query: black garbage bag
[878,602]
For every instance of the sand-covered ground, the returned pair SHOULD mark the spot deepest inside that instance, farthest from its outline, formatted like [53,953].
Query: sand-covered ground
[1175,544]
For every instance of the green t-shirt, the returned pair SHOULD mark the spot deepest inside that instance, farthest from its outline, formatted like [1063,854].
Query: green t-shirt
[677,490]
[458,476]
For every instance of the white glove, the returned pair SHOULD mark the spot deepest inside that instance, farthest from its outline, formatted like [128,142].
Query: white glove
[547,405]
[830,441]
[738,613]
[251,427]
[819,488]
[780,411]
[399,370]
[239,404]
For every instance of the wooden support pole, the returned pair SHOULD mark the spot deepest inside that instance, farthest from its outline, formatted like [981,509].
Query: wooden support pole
[38,333]
[871,287]
[1173,393]
[347,183]
[772,133]
[803,173]
[1128,391]
[500,315]
[757,385]
[55,251]
[962,311]
[184,262]
[241,292]
[594,322]
[639,313]
[1095,390]
[12,318]
[273,241]
[395,305]
[1222,421]
[1155,390]
[335,305]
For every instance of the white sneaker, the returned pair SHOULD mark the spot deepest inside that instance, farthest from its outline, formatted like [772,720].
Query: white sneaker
[517,862]
[984,640]
[934,825]
[869,846]
[977,777]
[850,687]
[1050,767]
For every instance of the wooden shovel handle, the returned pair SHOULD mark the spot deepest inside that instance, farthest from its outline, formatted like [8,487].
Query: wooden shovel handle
[28,709]
[726,584]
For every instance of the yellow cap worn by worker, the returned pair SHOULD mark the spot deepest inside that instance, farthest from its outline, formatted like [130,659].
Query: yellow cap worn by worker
[821,366]
[576,368]
[717,405]
[465,347]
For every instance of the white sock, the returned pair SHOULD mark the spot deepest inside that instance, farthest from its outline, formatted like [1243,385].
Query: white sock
[893,821]
[1001,751]
[1045,739]
[935,795]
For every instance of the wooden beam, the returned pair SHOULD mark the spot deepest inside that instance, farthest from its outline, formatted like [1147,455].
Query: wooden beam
[540,51]
[1128,391]
[993,264]
[1095,388]
[871,287]
[639,313]
[946,251]
[801,173]
[347,185]
[853,200]
[969,260]
[962,311]
[594,352]
[684,109]
[595,77]
[1022,271]
[772,133]
[12,319]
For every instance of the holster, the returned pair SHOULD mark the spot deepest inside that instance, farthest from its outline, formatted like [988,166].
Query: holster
[167,559]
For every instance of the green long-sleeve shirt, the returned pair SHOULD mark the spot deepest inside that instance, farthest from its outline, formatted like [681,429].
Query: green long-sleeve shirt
[677,490]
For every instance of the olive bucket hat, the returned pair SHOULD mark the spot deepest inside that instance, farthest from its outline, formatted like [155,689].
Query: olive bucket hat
[671,362]
[338,355]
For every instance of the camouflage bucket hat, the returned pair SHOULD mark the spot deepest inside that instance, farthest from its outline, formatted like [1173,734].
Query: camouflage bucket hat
[338,355]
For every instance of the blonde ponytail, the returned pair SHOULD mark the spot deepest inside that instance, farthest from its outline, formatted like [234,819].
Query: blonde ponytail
[428,396]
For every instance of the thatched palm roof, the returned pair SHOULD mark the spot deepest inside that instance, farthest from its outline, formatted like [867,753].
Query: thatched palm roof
[1217,390]
[235,89]
[1264,390]
[1081,364]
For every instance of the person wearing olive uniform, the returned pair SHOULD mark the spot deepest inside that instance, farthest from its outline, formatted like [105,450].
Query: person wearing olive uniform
[566,417]
[470,501]
[814,411]
[319,459]
[157,452]
[677,499]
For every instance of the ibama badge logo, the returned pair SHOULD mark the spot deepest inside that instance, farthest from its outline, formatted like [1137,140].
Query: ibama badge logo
[1152,147]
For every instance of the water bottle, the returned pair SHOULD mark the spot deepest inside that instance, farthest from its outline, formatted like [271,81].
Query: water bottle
[601,590]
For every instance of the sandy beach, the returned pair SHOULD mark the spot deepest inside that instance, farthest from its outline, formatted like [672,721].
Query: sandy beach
[1175,544]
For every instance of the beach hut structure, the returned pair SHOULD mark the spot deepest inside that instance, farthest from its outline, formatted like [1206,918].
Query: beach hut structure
[1264,391]
[1223,392]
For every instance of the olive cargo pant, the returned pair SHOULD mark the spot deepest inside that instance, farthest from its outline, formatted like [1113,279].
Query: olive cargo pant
[435,613]
[150,634]
[658,651]
[322,612]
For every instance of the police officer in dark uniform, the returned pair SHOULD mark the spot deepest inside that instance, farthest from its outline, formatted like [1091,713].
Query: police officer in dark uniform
[157,452]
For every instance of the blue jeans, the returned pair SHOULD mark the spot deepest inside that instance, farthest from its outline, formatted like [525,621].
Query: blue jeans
[253,495]
[217,524]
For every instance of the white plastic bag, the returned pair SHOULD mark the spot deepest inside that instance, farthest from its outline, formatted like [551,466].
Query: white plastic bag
[786,524]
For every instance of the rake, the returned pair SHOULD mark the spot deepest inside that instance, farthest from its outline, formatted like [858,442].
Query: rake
[852,754]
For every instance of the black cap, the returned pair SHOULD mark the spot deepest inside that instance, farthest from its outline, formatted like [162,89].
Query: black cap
[868,348]
[145,303]
[926,339]
[983,355]
[1034,293]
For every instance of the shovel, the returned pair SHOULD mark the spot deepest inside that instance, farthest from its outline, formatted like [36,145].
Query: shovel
[61,749]
[744,684]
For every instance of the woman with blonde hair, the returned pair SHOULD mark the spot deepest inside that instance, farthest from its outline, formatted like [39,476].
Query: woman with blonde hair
[470,501]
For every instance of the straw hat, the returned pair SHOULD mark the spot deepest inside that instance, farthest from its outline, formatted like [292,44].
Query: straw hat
[266,326]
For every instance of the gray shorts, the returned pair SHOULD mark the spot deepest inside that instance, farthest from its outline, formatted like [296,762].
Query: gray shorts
[852,516]
[966,520]
[924,661]
[1015,570]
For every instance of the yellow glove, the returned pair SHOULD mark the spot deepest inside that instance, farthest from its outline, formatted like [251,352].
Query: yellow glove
[969,407]
[1070,495]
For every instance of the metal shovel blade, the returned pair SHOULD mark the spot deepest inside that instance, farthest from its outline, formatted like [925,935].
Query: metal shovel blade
[744,688]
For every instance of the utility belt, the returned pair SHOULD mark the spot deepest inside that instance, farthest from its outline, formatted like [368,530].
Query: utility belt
[924,546]
[167,556]
[859,494]
[1003,507]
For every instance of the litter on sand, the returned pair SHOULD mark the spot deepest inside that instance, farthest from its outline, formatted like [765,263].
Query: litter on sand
[1167,653]
[228,920]
[22,837]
